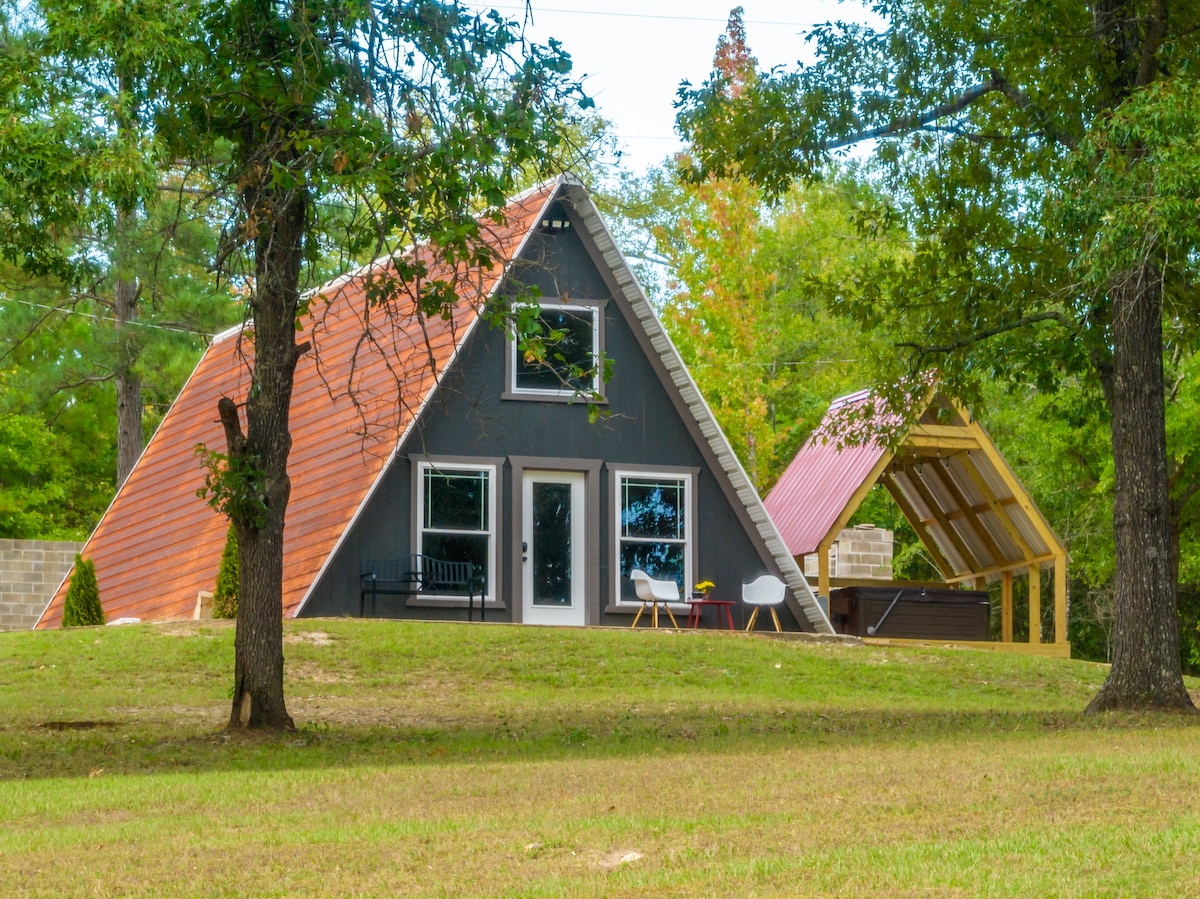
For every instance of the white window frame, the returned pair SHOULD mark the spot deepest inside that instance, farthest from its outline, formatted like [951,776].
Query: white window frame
[688,477]
[419,529]
[594,388]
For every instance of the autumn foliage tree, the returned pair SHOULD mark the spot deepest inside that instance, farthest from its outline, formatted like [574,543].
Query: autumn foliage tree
[743,301]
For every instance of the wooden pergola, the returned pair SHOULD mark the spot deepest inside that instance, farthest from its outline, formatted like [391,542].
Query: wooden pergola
[949,480]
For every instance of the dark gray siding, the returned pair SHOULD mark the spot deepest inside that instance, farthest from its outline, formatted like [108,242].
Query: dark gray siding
[468,418]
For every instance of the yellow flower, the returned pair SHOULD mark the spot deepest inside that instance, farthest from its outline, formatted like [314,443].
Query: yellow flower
[704,586]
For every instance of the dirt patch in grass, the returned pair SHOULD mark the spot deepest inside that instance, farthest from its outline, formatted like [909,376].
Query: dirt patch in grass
[186,628]
[607,861]
[316,638]
[305,672]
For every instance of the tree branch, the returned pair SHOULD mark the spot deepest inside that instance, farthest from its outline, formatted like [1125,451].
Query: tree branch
[1173,391]
[1039,115]
[988,333]
[235,440]
[996,82]
[911,123]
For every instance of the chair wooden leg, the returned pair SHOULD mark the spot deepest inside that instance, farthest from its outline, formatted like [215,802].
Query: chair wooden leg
[638,615]
[674,623]
[753,615]
[654,613]
[778,629]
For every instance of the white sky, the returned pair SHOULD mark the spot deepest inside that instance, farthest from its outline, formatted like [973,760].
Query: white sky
[632,55]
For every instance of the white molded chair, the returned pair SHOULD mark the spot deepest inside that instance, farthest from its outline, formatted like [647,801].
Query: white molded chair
[653,593]
[768,591]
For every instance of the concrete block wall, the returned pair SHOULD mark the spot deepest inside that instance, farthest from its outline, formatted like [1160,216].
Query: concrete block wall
[863,551]
[30,572]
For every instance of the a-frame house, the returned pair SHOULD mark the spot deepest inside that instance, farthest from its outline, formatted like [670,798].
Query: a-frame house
[434,436]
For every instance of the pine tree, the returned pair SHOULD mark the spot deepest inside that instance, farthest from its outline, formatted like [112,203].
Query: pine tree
[225,596]
[82,605]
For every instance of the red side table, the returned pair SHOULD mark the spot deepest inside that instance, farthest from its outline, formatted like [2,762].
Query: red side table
[696,607]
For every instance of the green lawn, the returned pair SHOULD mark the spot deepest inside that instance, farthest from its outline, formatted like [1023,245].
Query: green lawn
[459,760]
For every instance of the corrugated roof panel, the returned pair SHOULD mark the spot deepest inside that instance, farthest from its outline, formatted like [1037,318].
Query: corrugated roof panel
[814,490]
[949,549]
[1031,534]
[967,532]
[904,483]
[931,482]
[955,469]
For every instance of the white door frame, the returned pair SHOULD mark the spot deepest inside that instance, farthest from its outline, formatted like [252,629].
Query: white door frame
[574,612]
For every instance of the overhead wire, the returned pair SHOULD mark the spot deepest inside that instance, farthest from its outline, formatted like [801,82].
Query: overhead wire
[106,318]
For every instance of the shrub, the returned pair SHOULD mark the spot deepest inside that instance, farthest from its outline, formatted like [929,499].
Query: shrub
[81,607]
[225,595]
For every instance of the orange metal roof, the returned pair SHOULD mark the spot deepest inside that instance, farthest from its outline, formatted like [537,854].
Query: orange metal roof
[159,544]
[945,473]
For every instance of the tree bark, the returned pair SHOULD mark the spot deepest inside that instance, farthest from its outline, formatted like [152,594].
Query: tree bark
[1145,672]
[258,700]
[129,385]
[126,292]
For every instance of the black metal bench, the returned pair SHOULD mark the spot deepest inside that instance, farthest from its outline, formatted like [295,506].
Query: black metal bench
[410,575]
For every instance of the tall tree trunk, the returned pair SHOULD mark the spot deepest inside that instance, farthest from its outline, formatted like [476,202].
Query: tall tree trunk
[262,452]
[1146,671]
[126,292]
[129,385]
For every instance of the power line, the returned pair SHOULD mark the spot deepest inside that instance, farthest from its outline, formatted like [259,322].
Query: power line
[646,15]
[106,318]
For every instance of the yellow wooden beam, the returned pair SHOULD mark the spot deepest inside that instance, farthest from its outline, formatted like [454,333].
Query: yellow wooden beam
[823,567]
[1006,608]
[1060,598]
[1017,489]
[955,432]
[997,507]
[1035,604]
[961,443]
[1020,565]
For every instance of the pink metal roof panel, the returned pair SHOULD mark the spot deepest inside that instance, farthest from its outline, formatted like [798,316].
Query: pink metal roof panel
[812,493]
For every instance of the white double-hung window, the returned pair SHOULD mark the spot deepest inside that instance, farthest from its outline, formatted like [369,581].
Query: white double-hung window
[456,508]
[655,516]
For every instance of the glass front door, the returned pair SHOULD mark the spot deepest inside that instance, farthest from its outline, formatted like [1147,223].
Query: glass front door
[554,554]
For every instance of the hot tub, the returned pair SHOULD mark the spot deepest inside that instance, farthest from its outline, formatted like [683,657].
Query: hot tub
[922,613]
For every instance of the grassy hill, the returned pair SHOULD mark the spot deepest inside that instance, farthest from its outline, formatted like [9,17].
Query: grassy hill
[458,760]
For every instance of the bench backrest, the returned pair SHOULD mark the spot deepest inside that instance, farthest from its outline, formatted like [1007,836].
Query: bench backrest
[427,573]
